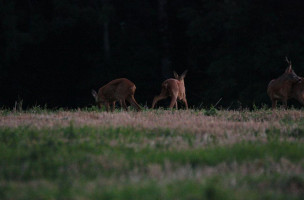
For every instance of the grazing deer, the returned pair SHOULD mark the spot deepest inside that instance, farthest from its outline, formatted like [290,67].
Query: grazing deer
[175,88]
[281,88]
[117,90]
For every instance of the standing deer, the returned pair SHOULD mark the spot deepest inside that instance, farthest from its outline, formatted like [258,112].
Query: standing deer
[117,90]
[297,91]
[175,88]
[281,88]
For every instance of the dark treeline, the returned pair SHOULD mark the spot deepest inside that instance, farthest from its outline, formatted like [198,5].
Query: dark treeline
[55,51]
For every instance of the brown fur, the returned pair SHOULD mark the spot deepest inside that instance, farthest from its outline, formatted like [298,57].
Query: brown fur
[117,90]
[281,88]
[297,91]
[175,88]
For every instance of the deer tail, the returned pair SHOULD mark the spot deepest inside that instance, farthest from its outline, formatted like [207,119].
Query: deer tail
[94,93]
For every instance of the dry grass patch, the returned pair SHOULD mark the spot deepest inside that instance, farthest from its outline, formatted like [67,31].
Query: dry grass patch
[157,154]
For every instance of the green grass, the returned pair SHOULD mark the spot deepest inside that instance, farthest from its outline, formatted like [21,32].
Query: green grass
[97,162]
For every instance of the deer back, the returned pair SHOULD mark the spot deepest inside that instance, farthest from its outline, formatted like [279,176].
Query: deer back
[117,89]
[176,85]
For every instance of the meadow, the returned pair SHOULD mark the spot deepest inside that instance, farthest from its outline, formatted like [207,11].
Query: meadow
[153,154]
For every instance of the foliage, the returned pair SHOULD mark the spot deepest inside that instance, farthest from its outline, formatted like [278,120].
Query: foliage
[53,52]
[211,112]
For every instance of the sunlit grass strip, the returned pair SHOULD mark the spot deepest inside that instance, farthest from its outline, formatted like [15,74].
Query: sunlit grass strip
[27,153]
[239,152]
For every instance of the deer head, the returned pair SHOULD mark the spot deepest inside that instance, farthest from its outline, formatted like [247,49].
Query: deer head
[94,93]
[181,77]
[290,74]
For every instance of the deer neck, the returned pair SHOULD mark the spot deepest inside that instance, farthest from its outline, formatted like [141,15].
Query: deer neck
[181,87]
[181,82]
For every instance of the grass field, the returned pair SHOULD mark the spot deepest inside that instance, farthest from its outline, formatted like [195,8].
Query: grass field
[159,154]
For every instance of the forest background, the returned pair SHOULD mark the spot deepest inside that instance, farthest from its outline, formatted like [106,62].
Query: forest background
[53,52]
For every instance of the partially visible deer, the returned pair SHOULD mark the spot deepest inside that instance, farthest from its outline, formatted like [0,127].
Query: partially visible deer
[117,90]
[297,91]
[175,88]
[281,88]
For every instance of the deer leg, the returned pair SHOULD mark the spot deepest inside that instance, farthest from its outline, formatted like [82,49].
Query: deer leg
[163,94]
[185,102]
[173,101]
[123,104]
[107,106]
[274,103]
[158,98]
[133,102]
[285,103]
[176,106]
[113,106]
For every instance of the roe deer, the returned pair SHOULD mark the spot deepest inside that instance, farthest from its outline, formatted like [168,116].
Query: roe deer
[297,91]
[174,88]
[117,90]
[281,88]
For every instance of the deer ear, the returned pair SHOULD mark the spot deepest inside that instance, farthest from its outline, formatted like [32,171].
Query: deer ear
[184,74]
[288,69]
[175,75]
